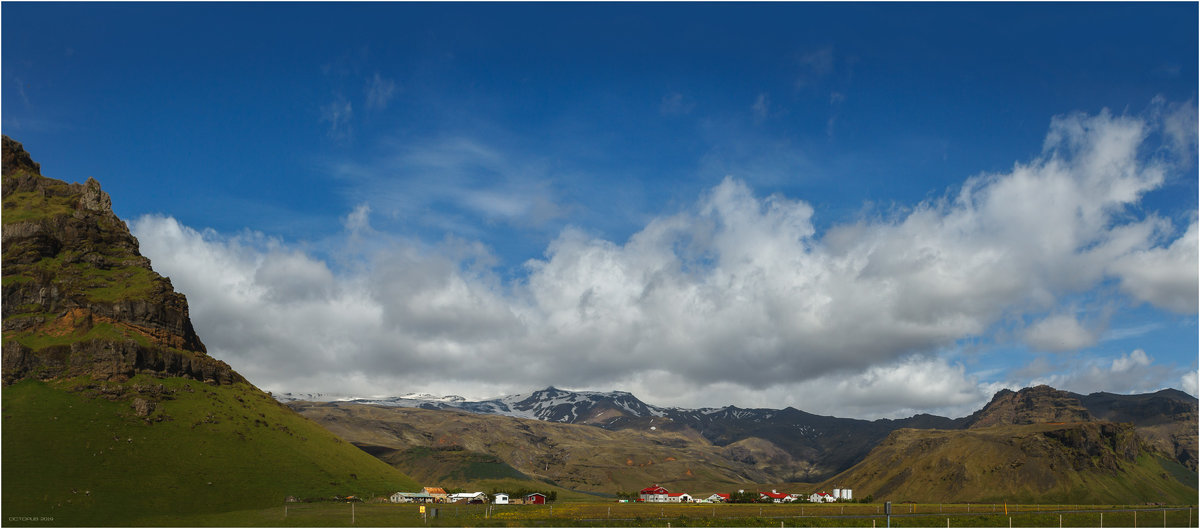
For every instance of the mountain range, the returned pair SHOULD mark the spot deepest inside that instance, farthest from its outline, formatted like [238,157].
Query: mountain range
[821,446]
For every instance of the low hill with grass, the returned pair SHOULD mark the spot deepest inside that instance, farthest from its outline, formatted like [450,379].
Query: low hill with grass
[112,409]
[1093,462]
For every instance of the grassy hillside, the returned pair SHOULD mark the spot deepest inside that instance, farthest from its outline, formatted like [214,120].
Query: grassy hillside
[451,445]
[1092,462]
[77,451]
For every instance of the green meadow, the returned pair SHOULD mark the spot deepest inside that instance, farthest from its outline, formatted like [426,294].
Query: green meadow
[75,452]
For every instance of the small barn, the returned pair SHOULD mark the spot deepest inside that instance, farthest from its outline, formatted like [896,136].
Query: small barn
[501,499]
[718,498]
[679,497]
[536,498]
[468,497]
[438,493]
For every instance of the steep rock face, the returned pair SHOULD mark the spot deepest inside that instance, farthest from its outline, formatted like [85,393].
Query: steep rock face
[1040,404]
[1167,419]
[79,299]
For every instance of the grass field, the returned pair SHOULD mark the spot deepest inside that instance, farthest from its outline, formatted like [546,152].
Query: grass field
[76,454]
[611,514]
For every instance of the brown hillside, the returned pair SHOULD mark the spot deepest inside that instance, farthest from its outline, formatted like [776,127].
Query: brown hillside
[1095,462]
[575,456]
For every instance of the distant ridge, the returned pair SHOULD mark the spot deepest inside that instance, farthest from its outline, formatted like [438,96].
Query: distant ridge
[822,446]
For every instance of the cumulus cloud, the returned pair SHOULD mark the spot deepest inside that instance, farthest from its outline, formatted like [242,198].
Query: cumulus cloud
[1061,332]
[1164,277]
[1133,372]
[737,295]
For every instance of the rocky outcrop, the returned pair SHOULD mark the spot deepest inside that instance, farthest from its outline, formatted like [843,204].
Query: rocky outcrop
[1040,404]
[78,297]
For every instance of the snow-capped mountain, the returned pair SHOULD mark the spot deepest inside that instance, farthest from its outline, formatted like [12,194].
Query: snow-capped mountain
[550,404]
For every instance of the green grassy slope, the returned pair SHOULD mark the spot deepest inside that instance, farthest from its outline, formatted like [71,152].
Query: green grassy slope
[77,452]
[1095,463]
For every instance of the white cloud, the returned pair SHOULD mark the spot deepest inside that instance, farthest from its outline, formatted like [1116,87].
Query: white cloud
[338,113]
[456,184]
[737,292]
[1164,277]
[1190,382]
[1134,372]
[1060,332]
[379,92]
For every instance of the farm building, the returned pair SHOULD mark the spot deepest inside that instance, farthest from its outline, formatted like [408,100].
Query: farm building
[653,494]
[469,497]
[536,498]
[842,494]
[411,497]
[501,499]
[821,497]
[717,498]
[438,493]
[679,497]
[776,496]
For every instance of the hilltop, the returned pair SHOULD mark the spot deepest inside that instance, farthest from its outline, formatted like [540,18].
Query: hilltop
[113,410]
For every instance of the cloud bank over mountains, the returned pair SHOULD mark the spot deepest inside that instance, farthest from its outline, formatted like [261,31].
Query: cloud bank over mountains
[736,298]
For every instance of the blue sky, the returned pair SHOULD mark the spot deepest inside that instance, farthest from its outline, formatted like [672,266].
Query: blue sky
[983,195]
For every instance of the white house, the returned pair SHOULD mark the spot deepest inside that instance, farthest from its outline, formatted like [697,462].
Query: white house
[679,497]
[821,497]
[501,499]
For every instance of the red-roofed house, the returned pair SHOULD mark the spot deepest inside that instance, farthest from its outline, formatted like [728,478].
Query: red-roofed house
[821,497]
[653,494]
[718,497]
[775,497]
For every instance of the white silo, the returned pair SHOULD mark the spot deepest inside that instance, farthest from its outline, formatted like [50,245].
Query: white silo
[837,494]
[846,495]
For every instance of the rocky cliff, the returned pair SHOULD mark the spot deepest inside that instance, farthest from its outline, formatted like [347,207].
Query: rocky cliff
[78,297]
[1040,404]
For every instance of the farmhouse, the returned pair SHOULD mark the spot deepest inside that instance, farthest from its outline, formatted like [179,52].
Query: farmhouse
[775,496]
[717,498]
[501,499]
[821,497]
[536,498]
[653,494]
